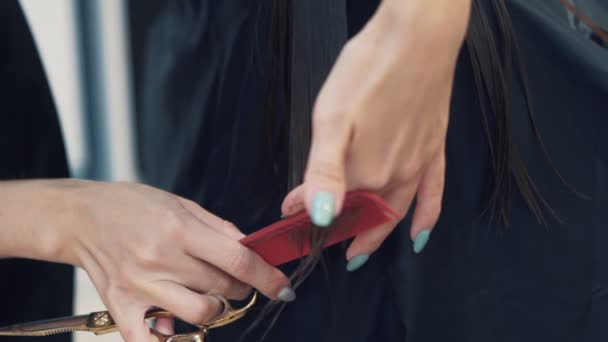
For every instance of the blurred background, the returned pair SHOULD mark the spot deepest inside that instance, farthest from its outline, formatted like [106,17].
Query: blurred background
[91,51]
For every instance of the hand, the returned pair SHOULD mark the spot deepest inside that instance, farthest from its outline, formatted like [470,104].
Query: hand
[145,248]
[380,120]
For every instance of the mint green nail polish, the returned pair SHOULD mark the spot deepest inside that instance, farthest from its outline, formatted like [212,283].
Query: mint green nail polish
[323,209]
[357,262]
[421,239]
[287,294]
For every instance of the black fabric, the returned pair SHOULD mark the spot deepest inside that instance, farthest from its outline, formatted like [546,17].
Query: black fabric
[476,280]
[30,147]
[196,52]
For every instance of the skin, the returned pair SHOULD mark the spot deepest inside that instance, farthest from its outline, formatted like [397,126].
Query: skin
[380,120]
[379,124]
[142,247]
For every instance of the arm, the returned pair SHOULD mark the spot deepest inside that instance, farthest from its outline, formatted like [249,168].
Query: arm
[142,247]
[380,120]
[34,216]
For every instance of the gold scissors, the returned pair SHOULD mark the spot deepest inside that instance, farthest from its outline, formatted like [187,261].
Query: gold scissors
[101,323]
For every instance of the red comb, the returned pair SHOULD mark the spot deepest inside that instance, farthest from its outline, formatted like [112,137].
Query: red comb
[289,239]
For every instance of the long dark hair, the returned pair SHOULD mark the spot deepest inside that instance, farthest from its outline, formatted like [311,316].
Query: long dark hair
[303,39]
[318,30]
[494,55]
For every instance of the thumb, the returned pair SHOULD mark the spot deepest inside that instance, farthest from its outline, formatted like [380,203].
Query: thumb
[324,180]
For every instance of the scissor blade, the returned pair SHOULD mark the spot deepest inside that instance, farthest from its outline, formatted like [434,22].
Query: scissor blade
[47,327]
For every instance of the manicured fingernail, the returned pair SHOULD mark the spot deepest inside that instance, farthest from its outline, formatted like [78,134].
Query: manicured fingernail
[357,262]
[421,239]
[323,209]
[287,294]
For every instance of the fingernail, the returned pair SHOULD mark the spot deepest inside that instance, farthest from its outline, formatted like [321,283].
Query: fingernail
[287,294]
[357,262]
[323,209]
[421,239]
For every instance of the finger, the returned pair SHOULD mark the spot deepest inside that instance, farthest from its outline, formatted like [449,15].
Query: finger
[428,202]
[240,262]
[130,321]
[214,222]
[294,201]
[190,306]
[325,180]
[368,242]
[165,326]
[203,277]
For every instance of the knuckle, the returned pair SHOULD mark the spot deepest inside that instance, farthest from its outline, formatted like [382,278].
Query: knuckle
[241,292]
[201,310]
[374,183]
[222,285]
[172,225]
[228,225]
[149,256]
[327,115]
[377,180]
[241,263]
[402,179]
[323,170]
[273,282]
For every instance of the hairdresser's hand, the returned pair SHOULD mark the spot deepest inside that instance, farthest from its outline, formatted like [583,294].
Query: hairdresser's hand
[144,248]
[381,118]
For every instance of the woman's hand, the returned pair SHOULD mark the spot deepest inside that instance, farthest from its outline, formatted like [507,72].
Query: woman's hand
[381,118]
[142,248]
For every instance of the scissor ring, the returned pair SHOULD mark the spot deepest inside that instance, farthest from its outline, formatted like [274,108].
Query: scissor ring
[227,316]
[226,307]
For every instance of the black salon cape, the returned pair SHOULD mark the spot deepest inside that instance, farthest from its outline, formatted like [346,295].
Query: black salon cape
[475,281]
[30,147]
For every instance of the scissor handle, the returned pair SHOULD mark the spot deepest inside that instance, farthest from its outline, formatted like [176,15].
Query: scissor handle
[197,336]
[228,315]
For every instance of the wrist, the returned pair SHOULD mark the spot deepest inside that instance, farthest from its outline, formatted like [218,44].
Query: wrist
[38,220]
[68,218]
[420,17]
